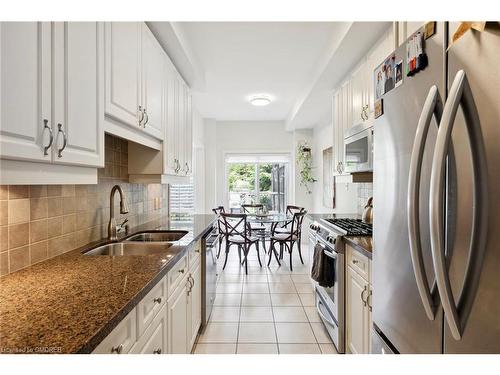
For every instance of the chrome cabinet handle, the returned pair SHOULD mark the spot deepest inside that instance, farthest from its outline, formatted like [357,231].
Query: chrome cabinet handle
[51,139]
[117,349]
[456,314]
[432,106]
[157,351]
[157,300]
[362,295]
[147,117]
[187,168]
[65,140]
[369,300]
[142,116]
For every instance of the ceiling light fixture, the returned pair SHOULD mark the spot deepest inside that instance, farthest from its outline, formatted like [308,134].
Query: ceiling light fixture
[260,100]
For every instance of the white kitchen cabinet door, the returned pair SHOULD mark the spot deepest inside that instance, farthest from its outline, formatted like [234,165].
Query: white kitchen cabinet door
[357,314]
[153,83]
[177,310]
[123,71]
[358,95]
[189,135]
[337,125]
[25,96]
[181,128]
[154,339]
[194,307]
[78,93]
[170,142]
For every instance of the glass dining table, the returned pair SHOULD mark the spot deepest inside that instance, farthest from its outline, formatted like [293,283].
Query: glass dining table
[268,222]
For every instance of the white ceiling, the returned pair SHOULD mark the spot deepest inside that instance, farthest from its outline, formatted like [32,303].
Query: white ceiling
[244,58]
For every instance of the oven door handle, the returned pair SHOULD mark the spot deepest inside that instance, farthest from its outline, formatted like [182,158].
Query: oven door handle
[320,303]
[329,254]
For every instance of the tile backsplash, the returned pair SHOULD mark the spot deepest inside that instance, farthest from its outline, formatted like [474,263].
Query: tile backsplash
[365,191]
[38,222]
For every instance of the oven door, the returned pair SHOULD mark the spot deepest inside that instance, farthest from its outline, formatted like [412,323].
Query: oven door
[358,151]
[331,295]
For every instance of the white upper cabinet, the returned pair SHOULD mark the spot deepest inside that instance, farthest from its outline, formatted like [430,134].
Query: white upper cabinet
[123,72]
[358,94]
[154,84]
[170,144]
[25,96]
[78,93]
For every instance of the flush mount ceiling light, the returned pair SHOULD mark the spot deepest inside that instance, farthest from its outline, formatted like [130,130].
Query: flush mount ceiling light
[260,100]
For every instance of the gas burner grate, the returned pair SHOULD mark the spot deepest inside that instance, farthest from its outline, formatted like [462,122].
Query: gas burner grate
[352,227]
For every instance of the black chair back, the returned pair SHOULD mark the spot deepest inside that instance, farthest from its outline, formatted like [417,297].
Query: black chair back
[234,225]
[218,210]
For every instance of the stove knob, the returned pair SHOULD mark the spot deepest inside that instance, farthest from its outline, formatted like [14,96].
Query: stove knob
[330,239]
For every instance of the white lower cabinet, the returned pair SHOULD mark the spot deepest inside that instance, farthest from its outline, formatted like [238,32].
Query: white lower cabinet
[177,310]
[122,338]
[194,306]
[158,325]
[154,339]
[358,310]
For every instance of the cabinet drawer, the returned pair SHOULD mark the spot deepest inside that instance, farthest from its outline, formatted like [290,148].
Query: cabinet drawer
[359,263]
[177,274]
[121,339]
[154,339]
[194,253]
[150,305]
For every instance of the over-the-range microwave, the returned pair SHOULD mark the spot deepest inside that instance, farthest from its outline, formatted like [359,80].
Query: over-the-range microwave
[358,148]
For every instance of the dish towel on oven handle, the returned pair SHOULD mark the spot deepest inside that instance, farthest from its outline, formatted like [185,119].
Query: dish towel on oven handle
[323,268]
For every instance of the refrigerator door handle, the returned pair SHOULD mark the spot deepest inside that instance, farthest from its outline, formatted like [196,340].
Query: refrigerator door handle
[432,106]
[456,314]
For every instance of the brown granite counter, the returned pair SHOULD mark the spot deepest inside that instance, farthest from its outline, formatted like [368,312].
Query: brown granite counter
[69,303]
[363,244]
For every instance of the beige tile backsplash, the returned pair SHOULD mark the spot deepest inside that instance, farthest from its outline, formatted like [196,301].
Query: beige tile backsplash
[42,221]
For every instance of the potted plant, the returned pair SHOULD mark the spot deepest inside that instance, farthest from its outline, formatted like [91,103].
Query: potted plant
[304,161]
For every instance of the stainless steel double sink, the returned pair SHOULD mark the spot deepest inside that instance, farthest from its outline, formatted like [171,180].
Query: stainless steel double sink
[141,243]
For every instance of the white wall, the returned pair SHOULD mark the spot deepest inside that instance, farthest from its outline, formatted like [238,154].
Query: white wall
[198,162]
[245,137]
[346,194]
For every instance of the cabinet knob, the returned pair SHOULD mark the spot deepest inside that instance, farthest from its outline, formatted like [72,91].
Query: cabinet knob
[355,261]
[157,351]
[181,271]
[117,349]
[157,300]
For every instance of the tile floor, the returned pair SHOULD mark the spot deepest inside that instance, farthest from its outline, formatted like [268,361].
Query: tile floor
[269,311]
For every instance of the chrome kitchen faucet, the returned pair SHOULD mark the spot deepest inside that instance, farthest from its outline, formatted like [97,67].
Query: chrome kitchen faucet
[112,231]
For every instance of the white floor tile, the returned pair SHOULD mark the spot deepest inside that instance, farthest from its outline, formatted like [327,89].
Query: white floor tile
[229,288]
[250,279]
[321,333]
[312,314]
[220,333]
[215,349]
[304,288]
[282,288]
[274,278]
[228,299]
[301,279]
[295,333]
[256,314]
[256,288]
[307,299]
[289,314]
[285,299]
[252,299]
[258,333]
[257,349]
[231,278]
[328,349]
[299,349]
[225,314]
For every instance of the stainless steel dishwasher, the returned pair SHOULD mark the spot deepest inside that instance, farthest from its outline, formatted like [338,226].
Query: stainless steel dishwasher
[209,274]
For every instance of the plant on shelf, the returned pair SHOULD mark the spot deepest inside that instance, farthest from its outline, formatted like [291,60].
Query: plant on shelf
[304,161]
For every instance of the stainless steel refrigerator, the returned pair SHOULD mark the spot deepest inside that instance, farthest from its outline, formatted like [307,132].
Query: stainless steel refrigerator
[436,261]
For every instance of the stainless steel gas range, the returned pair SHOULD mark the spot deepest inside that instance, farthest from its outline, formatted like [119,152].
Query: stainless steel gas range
[330,302]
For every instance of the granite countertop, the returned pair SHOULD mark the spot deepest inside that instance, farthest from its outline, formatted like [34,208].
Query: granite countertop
[363,244]
[69,303]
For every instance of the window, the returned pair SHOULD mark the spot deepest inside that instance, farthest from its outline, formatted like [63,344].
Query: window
[253,179]
[181,199]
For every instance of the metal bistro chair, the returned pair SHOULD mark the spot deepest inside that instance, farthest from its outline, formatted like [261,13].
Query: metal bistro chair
[290,210]
[260,228]
[237,232]
[217,211]
[287,240]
